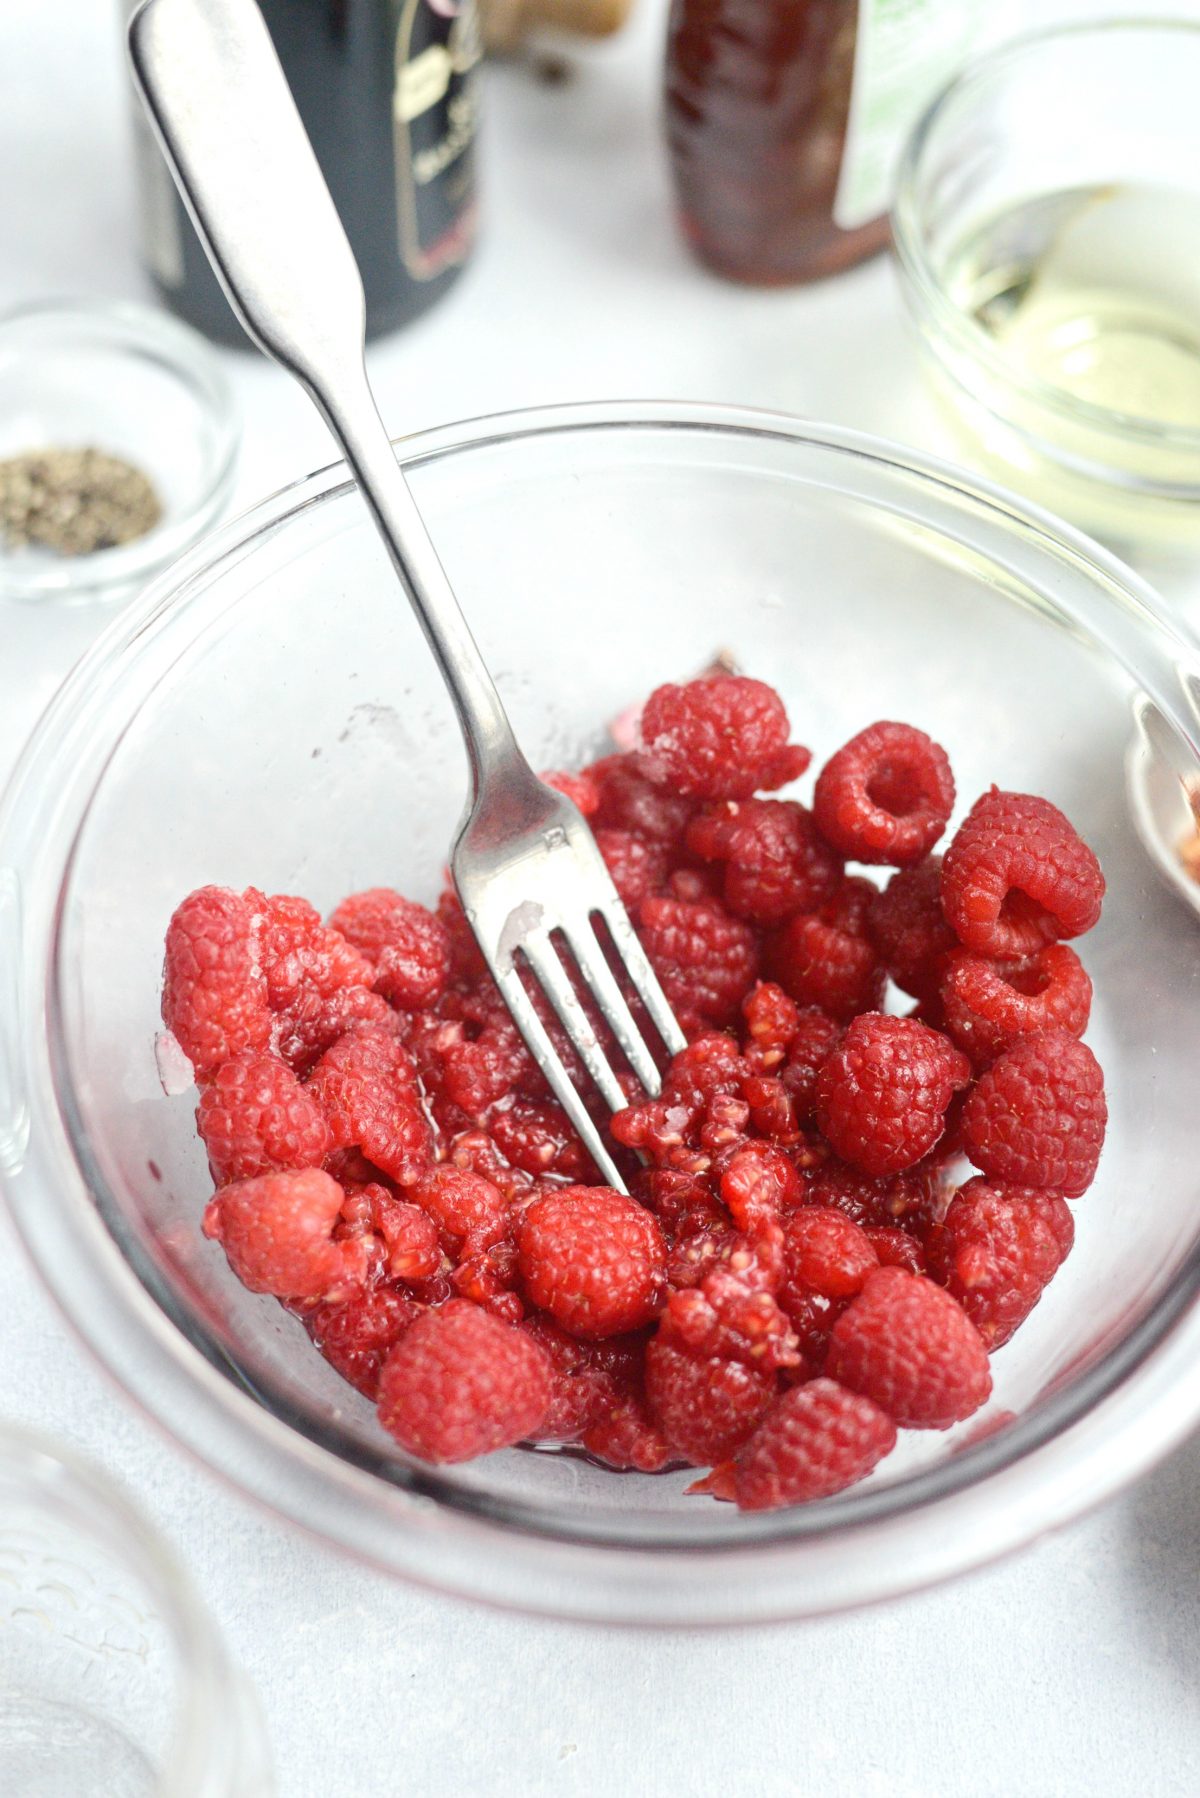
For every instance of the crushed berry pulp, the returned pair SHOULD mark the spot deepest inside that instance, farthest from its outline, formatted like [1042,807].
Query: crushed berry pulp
[804,1265]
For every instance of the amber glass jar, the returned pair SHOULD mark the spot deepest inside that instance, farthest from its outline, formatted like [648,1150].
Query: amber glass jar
[784,119]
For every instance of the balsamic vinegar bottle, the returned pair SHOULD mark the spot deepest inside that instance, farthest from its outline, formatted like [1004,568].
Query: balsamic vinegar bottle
[388,91]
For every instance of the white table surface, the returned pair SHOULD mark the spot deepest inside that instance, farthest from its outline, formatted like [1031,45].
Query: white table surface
[1072,1669]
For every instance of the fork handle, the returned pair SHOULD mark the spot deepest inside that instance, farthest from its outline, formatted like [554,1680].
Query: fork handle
[228,125]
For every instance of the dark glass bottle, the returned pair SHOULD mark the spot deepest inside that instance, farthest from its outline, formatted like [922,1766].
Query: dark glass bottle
[388,91]
[785,117]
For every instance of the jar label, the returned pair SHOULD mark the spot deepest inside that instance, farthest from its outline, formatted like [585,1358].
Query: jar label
[434,111]
[903,52]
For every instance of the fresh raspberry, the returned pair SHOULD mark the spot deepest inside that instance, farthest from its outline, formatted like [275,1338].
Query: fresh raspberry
[818,964]
[909,1346]
[479,1071]
[638,866]
[1037,1117]
[255,1118]
[759,1185]
[710,1065]
[466,958]
[470,1212]
[812,1316]
[407,947]
[479,1056]
[998,1250]
[214,990]
[460,1383]
[733,1313]
[474,1152]
[594,1259]
[717,739]
[883,1092]
[886,796]
[318,985]
[590,1378]
[355,1337]
[695,886]
[816,1440]
[815,1040]
[630,802]
[661,1130]
[315,1021]
[850,906]
[580,789]
[699,1242]
[705,959]
[988,1005]
[489,1280]
[909,929]
[1017,875]
[825,1252]
[301,955]
[700,1111]
[367,1087]
[896,1248]
[913,1200]
[404,1237]
[705,1406]
[277,1231]
[540,1139]
[683,1202]
[628,1439]
[772,1113]
[772,1024]
[722,1125]
[775,863]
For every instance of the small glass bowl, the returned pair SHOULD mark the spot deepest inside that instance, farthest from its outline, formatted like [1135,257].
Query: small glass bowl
[136,384]
[113,1678]
[1107,106]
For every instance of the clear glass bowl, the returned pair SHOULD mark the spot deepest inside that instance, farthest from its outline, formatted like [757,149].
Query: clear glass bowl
[1108,108]
[270,713]
[132,382]
[113,1679]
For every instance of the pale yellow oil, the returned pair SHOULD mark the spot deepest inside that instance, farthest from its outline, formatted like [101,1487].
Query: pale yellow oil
[1096,291]
[1093,293]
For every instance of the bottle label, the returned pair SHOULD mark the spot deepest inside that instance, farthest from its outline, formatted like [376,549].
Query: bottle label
[434,112]
[903,52]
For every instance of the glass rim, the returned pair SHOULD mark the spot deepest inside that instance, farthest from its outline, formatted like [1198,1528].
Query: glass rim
[907,218]
[139,1293]
[122,329]
[65,1483]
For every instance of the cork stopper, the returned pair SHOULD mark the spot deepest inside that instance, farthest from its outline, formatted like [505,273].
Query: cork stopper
[506,23]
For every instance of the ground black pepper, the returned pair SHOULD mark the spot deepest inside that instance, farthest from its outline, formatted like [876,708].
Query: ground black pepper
[74,501]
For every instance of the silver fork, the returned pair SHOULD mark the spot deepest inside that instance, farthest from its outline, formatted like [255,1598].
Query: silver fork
[524,862]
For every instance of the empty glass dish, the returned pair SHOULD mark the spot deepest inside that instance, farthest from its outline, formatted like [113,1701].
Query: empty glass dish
[113,1679]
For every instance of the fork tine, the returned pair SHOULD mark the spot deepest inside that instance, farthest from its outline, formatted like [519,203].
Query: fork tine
[637,966]
[555,982]
[561,1084]
[588,952]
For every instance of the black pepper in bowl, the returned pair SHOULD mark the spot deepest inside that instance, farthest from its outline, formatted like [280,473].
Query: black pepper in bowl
[74,501]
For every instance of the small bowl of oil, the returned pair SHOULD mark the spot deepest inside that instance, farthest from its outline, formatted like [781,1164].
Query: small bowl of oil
[1047,231]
